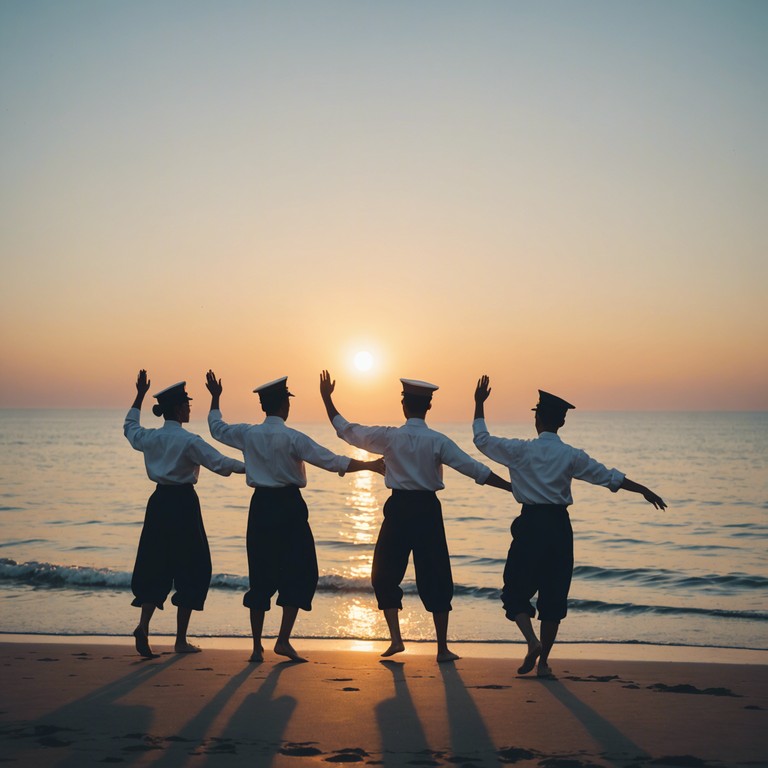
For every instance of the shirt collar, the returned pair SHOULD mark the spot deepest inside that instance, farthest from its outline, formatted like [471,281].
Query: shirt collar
[549,436]
[274,420]
[171,424]
[413,422]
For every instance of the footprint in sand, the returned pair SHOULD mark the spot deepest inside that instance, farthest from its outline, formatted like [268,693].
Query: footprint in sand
[515,754]
[348,755]
[681,761]
[685,688]
[301,749]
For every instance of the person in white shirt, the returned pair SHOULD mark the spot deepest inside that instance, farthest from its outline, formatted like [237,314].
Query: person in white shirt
[173,548]
[280,546]
[540,557]
[414,456]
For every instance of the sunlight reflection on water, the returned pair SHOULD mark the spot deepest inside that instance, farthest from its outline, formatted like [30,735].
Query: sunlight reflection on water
[74,493]
[361,618]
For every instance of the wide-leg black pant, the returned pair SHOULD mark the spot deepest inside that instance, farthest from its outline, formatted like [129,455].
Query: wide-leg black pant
[540,559]
[173,550]
[413,522]
[281,550]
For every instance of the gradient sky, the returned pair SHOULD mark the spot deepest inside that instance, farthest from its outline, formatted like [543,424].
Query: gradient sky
[564,195]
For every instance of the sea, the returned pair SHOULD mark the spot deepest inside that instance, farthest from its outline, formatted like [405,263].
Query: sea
[73,494]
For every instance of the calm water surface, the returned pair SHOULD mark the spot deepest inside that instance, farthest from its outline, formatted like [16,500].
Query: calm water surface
[73,493]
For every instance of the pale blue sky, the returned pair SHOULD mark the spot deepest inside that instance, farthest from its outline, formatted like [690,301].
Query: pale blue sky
[569,195]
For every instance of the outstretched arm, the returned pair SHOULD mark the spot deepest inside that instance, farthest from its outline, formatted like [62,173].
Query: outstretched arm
[498,482]
[376,465]
[482,392]
[326,390]
[142,387]
[647,494]
[213,385]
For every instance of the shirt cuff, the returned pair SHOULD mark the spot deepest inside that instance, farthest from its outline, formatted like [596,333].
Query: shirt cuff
[339,422]
[214,413]
[343,469]
[484,475]
[617,478]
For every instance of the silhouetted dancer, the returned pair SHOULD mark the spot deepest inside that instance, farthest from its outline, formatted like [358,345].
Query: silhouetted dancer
[413,518]
[173,549]
[540,557]
[281,548]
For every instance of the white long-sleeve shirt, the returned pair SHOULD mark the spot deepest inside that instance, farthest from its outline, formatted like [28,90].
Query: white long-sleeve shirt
[414,454]
[274,453]
[541,470]
[174,456]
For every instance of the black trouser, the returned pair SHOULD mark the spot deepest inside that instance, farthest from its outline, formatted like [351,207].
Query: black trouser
[173,550]
[413,522]
[281,550]
[540,559]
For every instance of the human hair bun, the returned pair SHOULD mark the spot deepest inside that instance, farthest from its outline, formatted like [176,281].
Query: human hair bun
[157,409]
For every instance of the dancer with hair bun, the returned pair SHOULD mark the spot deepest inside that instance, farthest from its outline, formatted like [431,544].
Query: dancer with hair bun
[173,548]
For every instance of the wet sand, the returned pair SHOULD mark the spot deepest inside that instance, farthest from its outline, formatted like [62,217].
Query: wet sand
[95,703]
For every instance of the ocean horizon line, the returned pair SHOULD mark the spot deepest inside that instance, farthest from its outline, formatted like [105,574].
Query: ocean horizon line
[582,411]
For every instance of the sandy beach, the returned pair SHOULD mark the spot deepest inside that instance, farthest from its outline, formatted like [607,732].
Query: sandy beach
[92,703]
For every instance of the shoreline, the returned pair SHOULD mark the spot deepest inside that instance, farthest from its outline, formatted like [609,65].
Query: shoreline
[466,649]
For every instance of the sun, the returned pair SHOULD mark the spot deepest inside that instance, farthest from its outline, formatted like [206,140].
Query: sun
[363,361]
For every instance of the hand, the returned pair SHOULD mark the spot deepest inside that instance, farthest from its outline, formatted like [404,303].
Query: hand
[142,383]
[482,391]
[212,384]
[378,465]
[652,498]
[326,385]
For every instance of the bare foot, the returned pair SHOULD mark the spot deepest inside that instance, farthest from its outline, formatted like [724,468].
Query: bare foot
[258,654]
[186,648]
[544,670]
[529,662]
[447,656]
[394,648]
[286,649]
[142,644]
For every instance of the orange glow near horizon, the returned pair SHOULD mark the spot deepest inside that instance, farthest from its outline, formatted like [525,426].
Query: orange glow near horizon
[663,374]
[440,202]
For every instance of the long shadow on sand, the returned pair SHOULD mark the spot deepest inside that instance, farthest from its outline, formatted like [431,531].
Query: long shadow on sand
[401,731]
[470,740]
[617,748]
[192,736]
[101,707]
[258,725]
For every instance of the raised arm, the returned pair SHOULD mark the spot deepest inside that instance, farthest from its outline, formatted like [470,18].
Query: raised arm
[326,390]
[142,387]
[132,428]
[647,494]
[213,385]
[482,392]
[229,434]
